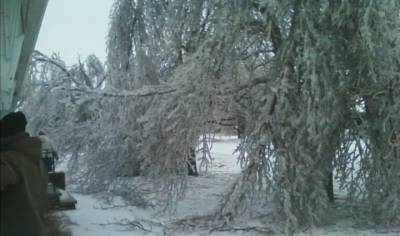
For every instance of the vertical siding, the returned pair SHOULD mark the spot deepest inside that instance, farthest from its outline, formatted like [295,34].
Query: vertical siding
[19,26]
[12,37]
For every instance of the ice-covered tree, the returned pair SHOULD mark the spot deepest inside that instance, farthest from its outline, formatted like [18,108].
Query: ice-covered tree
[313,110]
[316,84]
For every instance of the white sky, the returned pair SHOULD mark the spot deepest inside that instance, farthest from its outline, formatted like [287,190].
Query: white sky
[75,29]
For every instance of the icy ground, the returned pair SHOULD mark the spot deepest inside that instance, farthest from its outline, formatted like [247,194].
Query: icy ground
[93,218]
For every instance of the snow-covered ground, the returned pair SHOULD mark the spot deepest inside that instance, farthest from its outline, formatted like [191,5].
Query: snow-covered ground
[93,218]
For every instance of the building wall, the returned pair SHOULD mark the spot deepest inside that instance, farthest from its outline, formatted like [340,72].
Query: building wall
[11,40]
[20,22]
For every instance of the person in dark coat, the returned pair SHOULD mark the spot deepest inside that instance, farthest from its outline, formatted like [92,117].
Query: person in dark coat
[23,179]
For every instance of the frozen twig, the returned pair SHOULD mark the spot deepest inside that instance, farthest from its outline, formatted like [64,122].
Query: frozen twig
[130,224]
[261,230]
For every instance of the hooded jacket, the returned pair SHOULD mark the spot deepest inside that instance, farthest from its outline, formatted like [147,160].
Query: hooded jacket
[23,189]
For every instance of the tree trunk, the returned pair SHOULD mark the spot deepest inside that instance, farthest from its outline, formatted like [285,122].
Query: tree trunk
[191,163]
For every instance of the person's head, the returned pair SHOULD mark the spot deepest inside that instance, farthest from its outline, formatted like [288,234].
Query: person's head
[12,123]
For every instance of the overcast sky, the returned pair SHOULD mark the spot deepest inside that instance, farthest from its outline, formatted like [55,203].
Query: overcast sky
[75,28]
